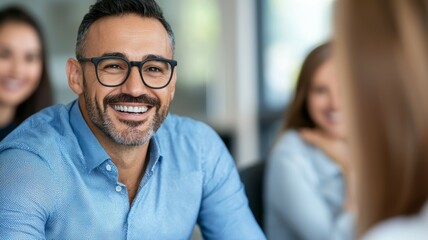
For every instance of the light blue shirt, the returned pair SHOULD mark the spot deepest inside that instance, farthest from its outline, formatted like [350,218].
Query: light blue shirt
[57,182]
[304,193]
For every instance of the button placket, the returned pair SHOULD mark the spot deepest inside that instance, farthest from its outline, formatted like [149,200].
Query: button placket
[110,168]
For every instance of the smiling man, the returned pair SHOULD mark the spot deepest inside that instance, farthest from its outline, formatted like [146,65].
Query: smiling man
[114,164]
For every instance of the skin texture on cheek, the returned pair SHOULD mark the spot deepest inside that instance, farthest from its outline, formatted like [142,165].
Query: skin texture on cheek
[133,135]
[123,131]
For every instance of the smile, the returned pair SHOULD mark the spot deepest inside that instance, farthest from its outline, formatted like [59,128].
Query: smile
[334,116]
[130,109]
[12,84]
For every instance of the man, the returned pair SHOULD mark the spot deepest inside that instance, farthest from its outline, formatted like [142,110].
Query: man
[103,167]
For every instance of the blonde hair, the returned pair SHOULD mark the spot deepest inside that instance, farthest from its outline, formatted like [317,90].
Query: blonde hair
[383,48]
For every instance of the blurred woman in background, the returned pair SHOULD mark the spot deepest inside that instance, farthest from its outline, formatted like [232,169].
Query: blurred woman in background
[24,81]
[307,170]
[383,52]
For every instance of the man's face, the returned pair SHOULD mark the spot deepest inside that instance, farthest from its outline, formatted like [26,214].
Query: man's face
[131,113]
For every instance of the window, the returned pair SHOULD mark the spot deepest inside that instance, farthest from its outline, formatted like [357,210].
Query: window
[196,25]
[289,30]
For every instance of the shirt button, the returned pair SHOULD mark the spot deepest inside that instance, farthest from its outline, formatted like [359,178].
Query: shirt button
[118,188]
[108,167]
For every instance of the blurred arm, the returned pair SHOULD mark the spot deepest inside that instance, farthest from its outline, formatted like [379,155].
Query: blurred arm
[338,151]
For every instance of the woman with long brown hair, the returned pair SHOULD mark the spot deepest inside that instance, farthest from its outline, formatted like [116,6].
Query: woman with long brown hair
[383,51]
[307,169]
[24,81]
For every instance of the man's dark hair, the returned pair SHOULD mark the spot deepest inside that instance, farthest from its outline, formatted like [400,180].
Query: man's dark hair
[105,8]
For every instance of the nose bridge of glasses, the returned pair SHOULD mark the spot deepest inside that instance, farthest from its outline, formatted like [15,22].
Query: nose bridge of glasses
[138,66]
[136,71]
[133,83]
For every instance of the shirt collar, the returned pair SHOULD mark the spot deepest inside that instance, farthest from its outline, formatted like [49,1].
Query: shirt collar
[93,153]
[154,158]
[155,153]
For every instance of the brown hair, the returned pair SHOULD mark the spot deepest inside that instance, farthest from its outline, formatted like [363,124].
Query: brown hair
[298,114]
[42,96]
[383,48]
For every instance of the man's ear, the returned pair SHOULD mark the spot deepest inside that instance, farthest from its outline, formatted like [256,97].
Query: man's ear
[75,76]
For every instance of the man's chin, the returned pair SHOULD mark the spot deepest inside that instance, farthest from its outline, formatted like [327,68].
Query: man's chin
[132,124]
[132,137]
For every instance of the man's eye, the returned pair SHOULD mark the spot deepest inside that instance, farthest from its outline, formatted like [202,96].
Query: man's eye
[153,69]
[113,66]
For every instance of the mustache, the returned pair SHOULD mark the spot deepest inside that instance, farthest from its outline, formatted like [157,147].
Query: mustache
[125,98]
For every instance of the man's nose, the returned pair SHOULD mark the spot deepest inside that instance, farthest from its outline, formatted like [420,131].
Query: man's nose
[134,85]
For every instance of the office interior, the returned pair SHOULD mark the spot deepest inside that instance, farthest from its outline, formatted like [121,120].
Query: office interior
[237,60]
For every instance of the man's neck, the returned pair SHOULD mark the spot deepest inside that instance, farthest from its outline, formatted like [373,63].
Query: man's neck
[131,163]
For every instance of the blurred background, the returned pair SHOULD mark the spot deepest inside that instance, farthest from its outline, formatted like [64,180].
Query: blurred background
[238,59]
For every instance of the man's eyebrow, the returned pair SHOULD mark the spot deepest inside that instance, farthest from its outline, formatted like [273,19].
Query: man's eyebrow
[114,54]
[122,55]
[152,56]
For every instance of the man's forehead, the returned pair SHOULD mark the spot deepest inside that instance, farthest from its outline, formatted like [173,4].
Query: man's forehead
[128,31]
[127,22]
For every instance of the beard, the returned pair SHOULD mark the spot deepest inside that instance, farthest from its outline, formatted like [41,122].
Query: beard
[132,135]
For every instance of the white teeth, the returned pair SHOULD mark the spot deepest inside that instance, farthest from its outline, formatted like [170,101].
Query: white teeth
[130,109]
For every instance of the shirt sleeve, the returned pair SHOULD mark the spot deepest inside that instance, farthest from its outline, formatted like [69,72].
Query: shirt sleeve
[224,212]
[297,204]
[25,195]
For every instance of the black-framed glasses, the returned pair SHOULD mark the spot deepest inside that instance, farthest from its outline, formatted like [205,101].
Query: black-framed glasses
[113,71]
